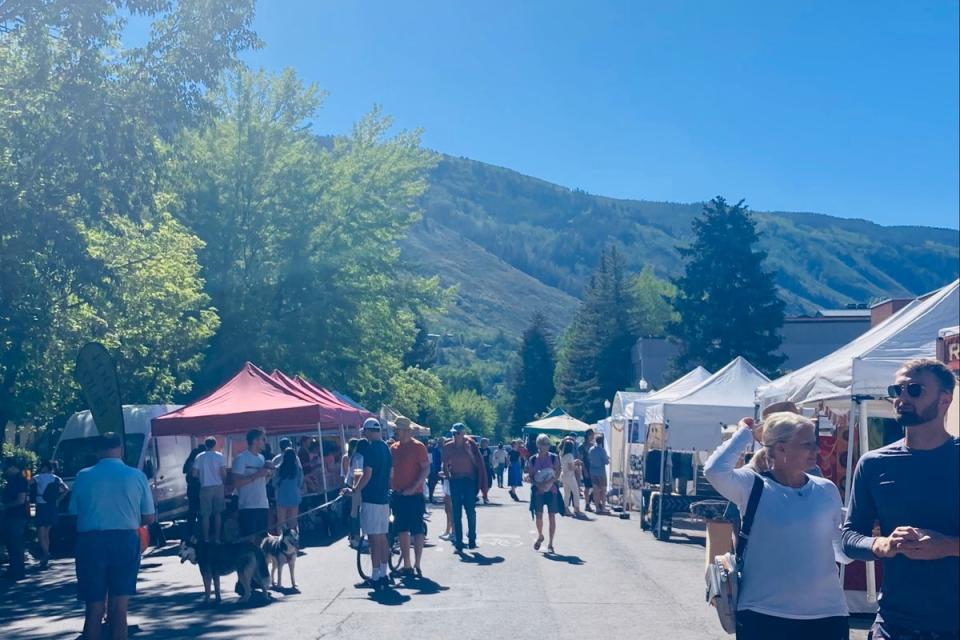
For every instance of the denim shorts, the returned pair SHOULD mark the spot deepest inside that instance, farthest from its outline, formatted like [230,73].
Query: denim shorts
[107,562]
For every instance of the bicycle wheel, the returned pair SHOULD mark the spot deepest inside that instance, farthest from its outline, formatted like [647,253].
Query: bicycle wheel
[395,560]
[364,561]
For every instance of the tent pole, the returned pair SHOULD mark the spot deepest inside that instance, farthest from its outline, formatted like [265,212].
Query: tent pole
[871,569]
[852,419]
[323,464]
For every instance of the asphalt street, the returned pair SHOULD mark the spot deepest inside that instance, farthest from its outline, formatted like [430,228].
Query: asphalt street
[608,579]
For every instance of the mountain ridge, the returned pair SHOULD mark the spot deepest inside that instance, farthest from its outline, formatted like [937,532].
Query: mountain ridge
[552,234]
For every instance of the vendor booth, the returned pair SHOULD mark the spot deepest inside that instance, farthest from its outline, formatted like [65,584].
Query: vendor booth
[846,390]
[280,405]
[389,416]
[624,430]
[557,423]
[680,430]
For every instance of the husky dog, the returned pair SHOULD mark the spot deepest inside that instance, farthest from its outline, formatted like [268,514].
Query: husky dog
[216,560]
[278,551]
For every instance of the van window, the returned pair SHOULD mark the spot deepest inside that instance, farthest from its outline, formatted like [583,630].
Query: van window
[81,453]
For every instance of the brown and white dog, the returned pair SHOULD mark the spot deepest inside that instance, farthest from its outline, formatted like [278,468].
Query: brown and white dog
[278,551]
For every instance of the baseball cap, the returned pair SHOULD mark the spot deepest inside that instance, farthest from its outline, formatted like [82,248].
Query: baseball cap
[371,424]
[459,428]
[403,423]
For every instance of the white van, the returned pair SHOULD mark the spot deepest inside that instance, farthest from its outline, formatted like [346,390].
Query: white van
[161,458]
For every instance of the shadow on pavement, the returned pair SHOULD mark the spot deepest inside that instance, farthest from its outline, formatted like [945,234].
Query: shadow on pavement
[388,597]
[480,559]
[423,586]
[681,538]
[50,598]
[556,557]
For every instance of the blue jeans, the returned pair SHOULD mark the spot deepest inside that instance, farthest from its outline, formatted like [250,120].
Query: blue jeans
[463,496]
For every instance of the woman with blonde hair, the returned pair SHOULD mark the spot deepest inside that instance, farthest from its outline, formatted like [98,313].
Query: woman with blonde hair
[790,587]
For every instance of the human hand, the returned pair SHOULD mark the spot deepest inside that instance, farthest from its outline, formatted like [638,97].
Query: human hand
[900,540]
[930,545]
[753,425]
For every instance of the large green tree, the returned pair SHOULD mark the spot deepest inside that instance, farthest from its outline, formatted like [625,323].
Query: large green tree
[533,387]
[594,360]
[727,302]
[83,121]
[650,305]
[301,236]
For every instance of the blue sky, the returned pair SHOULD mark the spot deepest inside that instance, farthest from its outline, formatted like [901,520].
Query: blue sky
[846,108]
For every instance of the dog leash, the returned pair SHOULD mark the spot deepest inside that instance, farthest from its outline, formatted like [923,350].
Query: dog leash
[325,505]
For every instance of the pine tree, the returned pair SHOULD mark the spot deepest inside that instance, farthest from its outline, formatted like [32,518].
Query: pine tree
[595,358]
[727,303]
[533,384]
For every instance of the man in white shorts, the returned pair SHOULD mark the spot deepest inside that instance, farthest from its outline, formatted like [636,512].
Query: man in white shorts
[211,470]
[374,488]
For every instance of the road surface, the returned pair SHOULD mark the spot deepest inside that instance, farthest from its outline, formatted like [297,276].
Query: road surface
[608,580]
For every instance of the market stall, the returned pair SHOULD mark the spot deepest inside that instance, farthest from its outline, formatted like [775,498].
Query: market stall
[680,429]
[557,423]
[847,390]
[625,428]
[254,399]
[389,415]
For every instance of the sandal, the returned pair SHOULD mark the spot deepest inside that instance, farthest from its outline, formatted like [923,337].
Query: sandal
[536,545]
[550,549]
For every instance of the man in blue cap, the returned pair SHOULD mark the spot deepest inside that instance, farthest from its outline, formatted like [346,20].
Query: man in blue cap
[374,488]
[465,469]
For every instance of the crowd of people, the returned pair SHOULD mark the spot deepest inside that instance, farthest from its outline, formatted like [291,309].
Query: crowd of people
[904,510]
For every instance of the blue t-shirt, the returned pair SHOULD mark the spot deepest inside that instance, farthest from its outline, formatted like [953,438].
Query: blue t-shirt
[377,458]
[110,495]
[898,486]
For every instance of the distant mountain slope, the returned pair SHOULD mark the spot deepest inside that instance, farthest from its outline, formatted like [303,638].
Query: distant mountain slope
[554,235]
[491,295]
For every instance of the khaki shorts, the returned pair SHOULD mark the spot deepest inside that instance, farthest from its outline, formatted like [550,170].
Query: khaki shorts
[211,500]
[374,518]
[598,480]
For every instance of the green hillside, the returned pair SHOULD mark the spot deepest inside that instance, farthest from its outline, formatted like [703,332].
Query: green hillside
[515,242]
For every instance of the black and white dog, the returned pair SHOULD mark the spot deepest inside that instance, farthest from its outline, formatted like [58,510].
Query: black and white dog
[278,551]
[216,560]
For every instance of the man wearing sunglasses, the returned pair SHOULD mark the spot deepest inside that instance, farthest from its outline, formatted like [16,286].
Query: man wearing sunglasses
[912,487]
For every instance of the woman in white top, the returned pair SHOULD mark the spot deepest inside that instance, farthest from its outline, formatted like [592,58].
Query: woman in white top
[568,477]
[790,584]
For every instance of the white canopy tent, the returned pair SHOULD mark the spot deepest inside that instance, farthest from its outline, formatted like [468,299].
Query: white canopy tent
[694,419]
[854,378]
[864,368]
[625,427]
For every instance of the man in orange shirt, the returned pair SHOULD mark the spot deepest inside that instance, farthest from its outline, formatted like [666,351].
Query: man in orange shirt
[411,466]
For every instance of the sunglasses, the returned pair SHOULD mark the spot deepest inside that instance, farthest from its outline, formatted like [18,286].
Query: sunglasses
[914,390]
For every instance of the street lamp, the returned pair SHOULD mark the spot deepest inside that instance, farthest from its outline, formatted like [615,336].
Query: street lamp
[643,386]
[607,405]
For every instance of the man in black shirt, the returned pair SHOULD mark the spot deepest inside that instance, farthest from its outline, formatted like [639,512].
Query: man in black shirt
[912,488]
[15,513]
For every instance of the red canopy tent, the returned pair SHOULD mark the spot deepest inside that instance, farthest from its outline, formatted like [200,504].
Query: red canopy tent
[349,416]
[250,399]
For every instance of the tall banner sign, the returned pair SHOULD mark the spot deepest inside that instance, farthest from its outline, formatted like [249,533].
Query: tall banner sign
[96,374]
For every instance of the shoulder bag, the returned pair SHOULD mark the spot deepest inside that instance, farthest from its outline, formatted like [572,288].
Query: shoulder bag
[723,573]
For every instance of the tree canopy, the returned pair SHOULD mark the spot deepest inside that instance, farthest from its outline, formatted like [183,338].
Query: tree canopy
[727,304]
